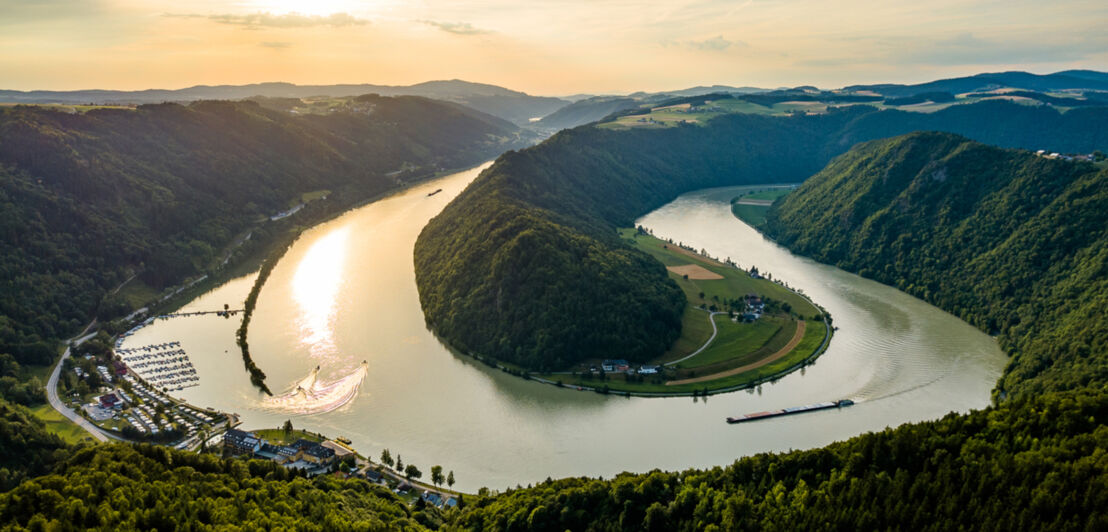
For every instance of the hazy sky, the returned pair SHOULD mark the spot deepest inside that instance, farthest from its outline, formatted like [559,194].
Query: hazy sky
[539,46]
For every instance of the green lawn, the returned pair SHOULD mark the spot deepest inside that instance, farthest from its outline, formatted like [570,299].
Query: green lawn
[58,424]
[753,215]
[813,337]
[735,283]
[137,293]
[736,344]
[314,195]
[695,330]
[737,339]
[768,194]
[279,437]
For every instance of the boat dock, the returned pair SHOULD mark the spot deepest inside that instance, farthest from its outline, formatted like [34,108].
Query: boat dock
[789,411]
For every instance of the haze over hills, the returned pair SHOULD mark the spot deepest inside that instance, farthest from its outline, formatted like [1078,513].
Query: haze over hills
[514,106]
[525,267]
[484,287]
[162,192]
[1064,80]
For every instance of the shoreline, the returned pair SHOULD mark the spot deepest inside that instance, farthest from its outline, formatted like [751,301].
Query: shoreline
[614,388]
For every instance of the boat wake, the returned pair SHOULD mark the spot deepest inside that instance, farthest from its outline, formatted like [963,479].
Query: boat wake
[312,396]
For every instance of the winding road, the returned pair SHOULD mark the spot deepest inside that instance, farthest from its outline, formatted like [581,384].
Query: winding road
[797,337]
[52,389]
[712,320]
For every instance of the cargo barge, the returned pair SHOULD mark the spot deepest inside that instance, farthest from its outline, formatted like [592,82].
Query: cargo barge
[792,410]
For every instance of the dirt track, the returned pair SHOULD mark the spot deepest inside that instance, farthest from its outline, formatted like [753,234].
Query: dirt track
[797,337]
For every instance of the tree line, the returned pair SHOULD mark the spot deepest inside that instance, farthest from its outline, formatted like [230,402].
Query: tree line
[525,265]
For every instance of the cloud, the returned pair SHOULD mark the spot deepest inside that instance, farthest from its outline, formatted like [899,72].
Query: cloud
[269,20]
[277,45]
[714,44]
[717,43]
[457,28]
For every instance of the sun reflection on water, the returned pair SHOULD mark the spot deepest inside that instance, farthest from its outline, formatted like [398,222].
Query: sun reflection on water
[315,287]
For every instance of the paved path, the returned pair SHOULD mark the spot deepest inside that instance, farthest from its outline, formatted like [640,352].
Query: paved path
[712,319]
[52,390]
[797,337]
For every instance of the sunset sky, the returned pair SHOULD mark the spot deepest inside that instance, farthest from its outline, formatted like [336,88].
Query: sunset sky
[550,47]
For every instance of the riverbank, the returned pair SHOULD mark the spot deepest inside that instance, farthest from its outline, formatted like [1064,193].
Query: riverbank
[349,463]
[420,399]
[758,330]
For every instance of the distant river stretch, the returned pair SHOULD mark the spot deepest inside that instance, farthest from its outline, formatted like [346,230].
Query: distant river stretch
[345,293]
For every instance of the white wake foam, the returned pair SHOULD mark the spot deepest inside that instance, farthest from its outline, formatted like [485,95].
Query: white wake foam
[312,396]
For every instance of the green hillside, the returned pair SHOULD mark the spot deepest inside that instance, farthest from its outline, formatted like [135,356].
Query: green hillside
[1036,463]
[1013,243]
[163,191]
[525,266]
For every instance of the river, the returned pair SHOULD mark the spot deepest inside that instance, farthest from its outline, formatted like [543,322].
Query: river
[345,293]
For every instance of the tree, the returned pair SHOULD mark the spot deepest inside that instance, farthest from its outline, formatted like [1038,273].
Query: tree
[287,427]
[399,463]
[386,458]
[436,475]
[450,478]
[412,471]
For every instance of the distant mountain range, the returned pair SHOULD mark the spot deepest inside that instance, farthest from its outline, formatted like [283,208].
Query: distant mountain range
[556,113]
[1065,80]
[514,106]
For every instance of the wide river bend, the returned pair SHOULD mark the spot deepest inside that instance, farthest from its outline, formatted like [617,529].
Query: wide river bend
[345,293]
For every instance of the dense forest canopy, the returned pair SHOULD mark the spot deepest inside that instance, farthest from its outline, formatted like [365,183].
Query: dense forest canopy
[1035,463]
[524,265]
[1014,243]
[86,200]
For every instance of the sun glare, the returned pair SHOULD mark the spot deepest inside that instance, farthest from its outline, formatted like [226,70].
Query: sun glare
[315,287]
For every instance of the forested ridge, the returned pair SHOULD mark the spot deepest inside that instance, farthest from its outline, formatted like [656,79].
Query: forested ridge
[1014,243]
[1030,464]
[525,267]
[86,200]
[1034,463]
[145,487]
[545,217]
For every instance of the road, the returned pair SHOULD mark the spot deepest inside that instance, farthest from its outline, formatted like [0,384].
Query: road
[712,319]
[797,337]
[52,390]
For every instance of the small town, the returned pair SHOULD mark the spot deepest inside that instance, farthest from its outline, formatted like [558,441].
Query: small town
[314,455]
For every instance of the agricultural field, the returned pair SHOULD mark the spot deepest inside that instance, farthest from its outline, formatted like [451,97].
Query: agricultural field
[787,332]
[752,206]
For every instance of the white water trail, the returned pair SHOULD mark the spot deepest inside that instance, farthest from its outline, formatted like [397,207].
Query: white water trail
[312,396]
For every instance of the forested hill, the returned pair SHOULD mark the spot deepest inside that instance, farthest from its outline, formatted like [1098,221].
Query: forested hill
[1014,243]
[514,106]
[585,111]
[1035,463]
[524,265]
[160,191]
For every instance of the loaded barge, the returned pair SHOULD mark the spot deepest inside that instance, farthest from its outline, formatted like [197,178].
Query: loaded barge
[792,410]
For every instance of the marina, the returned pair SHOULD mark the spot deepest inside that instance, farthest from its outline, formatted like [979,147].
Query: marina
[165,365]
